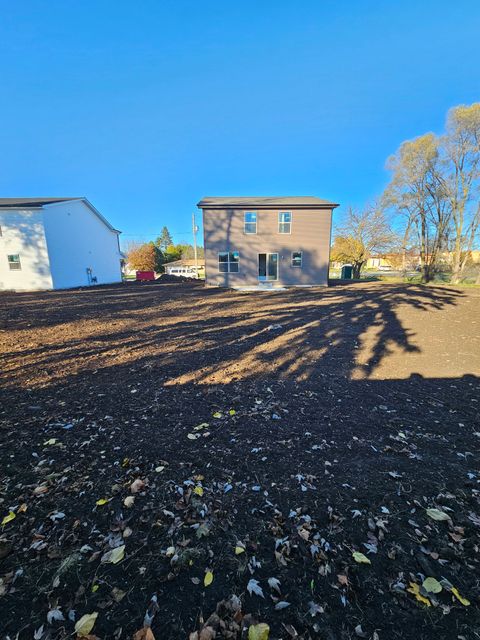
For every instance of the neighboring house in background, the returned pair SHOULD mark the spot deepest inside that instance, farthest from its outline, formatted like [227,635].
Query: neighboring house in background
[186,268]
[56,243]
[259,241]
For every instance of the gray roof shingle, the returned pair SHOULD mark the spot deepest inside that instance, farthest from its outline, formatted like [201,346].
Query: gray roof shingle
[299,202]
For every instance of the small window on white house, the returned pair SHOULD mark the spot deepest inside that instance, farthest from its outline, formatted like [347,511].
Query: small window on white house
[296,258]
[14,262]
[250,222]
[228,261]
[285,222]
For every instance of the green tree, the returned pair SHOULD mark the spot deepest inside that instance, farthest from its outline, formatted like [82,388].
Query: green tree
[172,253]
[363,234]
[164,240]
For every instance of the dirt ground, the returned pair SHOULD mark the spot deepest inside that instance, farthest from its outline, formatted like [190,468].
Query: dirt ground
[201,460]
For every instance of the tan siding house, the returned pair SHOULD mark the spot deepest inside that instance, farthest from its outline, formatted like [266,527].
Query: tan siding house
[266,242]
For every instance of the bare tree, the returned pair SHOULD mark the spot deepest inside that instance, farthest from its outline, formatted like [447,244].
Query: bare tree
[364,233]
[461,146]
[417,191]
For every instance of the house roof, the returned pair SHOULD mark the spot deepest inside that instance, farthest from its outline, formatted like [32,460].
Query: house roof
[38,203]
[241,202]
[31,202]
[185,263]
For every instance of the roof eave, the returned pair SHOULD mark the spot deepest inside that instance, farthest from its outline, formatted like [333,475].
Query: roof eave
[246,205]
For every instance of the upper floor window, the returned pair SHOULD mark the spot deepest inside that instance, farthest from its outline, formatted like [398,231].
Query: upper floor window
[250,222]
[14,262]
[296,258]
[228,261]
[284,222]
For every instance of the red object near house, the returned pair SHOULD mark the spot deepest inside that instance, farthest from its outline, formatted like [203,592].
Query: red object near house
[145,275]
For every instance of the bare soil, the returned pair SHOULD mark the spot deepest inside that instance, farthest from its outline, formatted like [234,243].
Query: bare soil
[260,435]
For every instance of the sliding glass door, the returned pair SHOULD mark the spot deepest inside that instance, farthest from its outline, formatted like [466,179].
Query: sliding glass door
[267,266]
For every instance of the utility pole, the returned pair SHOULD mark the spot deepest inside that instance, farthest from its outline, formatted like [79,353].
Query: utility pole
[195,229]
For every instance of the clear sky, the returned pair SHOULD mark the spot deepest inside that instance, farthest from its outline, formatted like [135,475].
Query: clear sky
[145,106]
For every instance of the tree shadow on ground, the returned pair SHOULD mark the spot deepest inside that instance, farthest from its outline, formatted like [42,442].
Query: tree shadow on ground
[211,336]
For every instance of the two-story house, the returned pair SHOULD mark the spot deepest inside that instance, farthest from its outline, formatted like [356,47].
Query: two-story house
[274,242]
[56,243]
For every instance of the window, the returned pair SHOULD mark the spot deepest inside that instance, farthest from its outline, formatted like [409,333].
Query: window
[14,262]
[296,258]
[284,222]
[250,222]
[228,262]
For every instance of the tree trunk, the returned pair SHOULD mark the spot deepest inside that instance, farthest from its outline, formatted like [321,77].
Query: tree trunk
[457,256]
[425,270]
[356,267]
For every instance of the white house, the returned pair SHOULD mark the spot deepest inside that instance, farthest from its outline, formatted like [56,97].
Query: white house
[56,243]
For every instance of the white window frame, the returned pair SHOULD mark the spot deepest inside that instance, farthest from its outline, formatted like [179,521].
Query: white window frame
[229,261]
[280,223]
[297,266]
[14,262]
[266,278]
[245,213]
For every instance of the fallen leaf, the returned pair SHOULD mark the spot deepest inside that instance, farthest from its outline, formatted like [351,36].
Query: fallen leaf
[239,549]
[217,414]
[38,491]
[117,594]
[198,491]
[415,589]
[208,578]
[102,501]
[274,583]
[232,412]
[114,556]
[464,601]
[11,516]
[314,608]
[50,442]
[436,514]
[254,587]
[432,585]
[144,634]
[55,614]
[360,632]
[128,502]
[137,485]
[85,624]
[258,631]
[281,605]
[207,633]
[360,557]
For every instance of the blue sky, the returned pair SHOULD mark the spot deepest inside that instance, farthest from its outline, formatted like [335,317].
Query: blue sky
[147,106]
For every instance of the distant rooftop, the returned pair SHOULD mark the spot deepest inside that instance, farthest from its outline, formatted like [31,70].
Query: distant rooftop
[32,202]
[241,202]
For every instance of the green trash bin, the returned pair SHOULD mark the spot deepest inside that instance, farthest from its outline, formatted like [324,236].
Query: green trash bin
[347,272]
